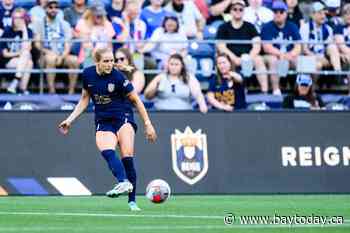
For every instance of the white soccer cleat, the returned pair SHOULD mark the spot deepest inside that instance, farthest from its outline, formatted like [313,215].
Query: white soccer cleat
[133,206]
[120,188]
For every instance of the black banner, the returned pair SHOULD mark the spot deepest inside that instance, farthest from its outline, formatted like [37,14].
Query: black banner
[243,152]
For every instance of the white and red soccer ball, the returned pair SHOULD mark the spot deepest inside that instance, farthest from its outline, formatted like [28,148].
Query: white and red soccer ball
[158,191]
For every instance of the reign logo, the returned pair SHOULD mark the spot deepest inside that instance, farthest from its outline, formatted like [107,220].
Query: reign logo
[189,155]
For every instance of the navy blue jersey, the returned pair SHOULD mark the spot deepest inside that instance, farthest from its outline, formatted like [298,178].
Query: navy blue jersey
[15,45]
[233,95]
[5,16]
[109,94]
[345,31]
[289,33]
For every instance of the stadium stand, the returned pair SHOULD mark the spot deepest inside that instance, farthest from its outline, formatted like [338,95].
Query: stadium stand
[330,82]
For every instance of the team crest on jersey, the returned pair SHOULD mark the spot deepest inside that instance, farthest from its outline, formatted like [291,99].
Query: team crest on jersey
[189,155]
[111,87]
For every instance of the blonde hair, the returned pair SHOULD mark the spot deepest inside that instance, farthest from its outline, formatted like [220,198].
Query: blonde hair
[88,18]
[99,52]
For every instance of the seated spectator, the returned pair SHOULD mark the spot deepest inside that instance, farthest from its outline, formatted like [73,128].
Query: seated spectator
[135,26]
[50,35]
[6,9]
[190,19]
[174,89]
[16,53]
[73,13]
[153,16]
[170,31]
[226,91]
[124,63]
[96,31]
[115,9]
[342,38]
[333,13]
[257,14]
[304,97]
[237,29]
[219,10]
[317,32]
[285,45]
[38,12]
[294,13]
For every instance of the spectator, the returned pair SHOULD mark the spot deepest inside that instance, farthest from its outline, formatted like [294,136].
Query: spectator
[219,10]
[170,31]
[238,29]
[115,9]
[124,63]
[191,20]
[294,13]
[175,88]
[257,14]
[333,13]
[342,38]
[226,91]
[38,12]
[50,34]
[73,13]
[304,97]
[153,16]
[285,43]
[16,53]
[96,31]
[6,9]
[135,26]
[318,32]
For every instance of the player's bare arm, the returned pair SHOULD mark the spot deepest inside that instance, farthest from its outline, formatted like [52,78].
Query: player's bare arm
[78,110]
[149,129]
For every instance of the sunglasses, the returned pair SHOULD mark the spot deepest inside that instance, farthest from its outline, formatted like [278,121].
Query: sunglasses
[238,9]
[279,11]
[119,59]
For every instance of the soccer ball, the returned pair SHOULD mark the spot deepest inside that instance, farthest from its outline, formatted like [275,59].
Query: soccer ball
[158,191]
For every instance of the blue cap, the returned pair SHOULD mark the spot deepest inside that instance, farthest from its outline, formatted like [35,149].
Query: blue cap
[279,5]
[304,80]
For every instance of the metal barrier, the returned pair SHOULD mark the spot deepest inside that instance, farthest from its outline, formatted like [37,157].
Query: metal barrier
[152,71]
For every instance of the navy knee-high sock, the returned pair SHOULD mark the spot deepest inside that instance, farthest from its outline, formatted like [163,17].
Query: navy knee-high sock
[114,164]
[131,174]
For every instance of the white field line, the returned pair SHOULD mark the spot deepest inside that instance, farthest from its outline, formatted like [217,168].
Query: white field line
[149,227]
[108,215]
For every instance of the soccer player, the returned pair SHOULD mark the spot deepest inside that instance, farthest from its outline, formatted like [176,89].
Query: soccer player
[112,96]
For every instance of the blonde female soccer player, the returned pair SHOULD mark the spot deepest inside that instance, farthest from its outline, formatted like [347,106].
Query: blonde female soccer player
[113,96]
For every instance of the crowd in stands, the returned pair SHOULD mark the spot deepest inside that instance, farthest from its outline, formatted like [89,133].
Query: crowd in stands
[269,39]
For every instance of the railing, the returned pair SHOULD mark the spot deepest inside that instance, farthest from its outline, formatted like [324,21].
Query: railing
[192,43]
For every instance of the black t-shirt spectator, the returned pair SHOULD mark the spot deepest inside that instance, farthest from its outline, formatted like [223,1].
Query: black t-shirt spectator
[246,32]
[296,16]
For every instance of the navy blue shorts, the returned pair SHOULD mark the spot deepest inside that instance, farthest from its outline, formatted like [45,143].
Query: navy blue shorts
[113,125]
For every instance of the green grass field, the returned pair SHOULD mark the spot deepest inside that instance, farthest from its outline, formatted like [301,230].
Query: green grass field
[180,214]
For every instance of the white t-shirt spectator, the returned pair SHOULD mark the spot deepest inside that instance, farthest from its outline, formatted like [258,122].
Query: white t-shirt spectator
[187,18]
[164,50]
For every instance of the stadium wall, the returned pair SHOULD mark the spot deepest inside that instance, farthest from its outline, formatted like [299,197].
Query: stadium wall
[243,152]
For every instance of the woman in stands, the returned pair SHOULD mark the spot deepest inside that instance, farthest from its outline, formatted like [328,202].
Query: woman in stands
[174,88]
[304,97]
[125,64]
[97,30]
[15,54]
[226,91]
